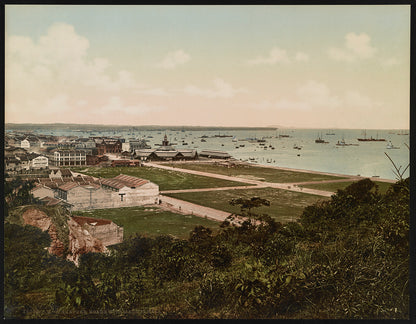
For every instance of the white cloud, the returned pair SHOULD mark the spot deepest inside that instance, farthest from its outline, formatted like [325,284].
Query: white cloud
[116,105]
[354,99]
[58,63]
[276,55]
[356,47]
[389,61]
[221,89]
[317,96]
[302,57]
[173,59]
[159,92]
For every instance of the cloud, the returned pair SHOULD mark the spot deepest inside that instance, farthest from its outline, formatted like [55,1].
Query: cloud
[391,61]
[221,89]
[116,105]
[317,96]
[276,55]
[49,76]
[173,59]
[356,47]
[302,57]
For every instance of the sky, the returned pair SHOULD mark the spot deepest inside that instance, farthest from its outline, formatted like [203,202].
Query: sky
[272,65]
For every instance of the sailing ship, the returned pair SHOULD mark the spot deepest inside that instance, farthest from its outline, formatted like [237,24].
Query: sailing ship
[371,139]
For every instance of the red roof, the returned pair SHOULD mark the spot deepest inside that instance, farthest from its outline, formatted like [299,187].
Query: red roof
[89,220]
[69,185]
[123,180]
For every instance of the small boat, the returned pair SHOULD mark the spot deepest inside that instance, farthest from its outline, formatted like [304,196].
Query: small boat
[320,140]
[391,146]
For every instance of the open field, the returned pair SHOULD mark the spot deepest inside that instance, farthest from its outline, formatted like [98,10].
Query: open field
[166,179]
[150,221]
[255,172]
[334,186]
[284,205]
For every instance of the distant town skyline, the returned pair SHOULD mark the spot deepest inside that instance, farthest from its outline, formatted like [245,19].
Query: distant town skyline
[256,66]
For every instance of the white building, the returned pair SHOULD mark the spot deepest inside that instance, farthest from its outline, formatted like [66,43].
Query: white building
[69,157]
[125,146]
[25,144]
[120,191]
[40,162]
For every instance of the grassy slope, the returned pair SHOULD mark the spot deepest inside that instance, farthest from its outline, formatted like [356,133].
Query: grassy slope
[167,180]
[285,205]
[150,221]
[382,186]
[268,174]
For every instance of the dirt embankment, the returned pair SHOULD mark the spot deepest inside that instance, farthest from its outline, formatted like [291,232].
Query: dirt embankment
[78,240]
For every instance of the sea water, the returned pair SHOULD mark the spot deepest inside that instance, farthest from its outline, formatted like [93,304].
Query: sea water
[367,159]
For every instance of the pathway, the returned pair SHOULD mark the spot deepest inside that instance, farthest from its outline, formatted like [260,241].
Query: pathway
[192,209]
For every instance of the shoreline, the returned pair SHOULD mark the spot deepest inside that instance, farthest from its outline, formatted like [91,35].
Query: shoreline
[353,177]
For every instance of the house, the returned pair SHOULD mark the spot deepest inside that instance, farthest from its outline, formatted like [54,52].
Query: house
[25,144]
[24,162]
[12,151]
[39,162]
[11,163]
[103,229]
[60,174]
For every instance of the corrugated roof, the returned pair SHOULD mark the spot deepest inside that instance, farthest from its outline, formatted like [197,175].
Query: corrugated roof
[66,172]
[123,180]
[68,186]
[167,153]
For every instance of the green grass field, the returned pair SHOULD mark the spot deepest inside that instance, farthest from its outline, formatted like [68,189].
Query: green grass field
[253,172]
[166,179]
[382,186]
[284,205]
[150,221]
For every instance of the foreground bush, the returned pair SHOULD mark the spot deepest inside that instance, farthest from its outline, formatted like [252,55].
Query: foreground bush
[346,258]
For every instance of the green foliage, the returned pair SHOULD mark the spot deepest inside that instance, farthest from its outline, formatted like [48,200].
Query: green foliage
[347,258]
[17,193]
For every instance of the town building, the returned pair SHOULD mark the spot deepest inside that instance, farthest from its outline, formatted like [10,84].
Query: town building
[39,162]
[103,229]
[165,155]
[25,144]
[108,146]
[120,191]
[60,174]
[68,157]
